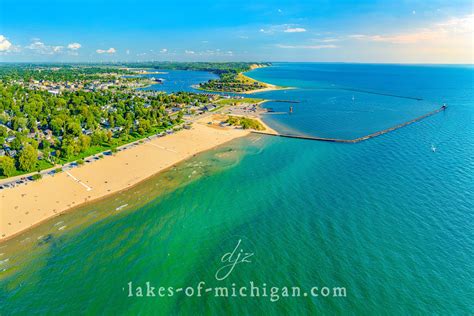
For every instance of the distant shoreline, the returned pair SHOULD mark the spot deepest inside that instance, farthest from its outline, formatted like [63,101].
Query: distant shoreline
[268,86]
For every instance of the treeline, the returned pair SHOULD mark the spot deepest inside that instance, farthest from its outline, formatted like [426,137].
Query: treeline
[245,123]
[35,124]
[214,67]
[64,73]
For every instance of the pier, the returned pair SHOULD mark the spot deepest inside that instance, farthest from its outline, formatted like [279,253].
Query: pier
[357,140]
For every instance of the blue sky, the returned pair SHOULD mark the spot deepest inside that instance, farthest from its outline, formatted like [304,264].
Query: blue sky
[349,31]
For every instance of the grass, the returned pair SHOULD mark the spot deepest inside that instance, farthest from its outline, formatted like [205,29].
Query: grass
[239,101]
[247,80]
[93,150]
[41,165]
[217,108]
[88,152]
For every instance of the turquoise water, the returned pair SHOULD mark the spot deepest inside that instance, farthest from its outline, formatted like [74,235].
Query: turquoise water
[388,219]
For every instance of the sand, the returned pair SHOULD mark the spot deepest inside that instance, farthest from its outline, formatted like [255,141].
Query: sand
[268,86]
[25,206]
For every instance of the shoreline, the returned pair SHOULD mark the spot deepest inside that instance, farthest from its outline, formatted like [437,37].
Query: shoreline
[28,206]
[268,86]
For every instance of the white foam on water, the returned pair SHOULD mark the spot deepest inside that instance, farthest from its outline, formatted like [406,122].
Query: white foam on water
[121,207]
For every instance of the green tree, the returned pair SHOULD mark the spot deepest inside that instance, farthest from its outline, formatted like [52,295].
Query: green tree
[17,142]
[98,137]
[85,142]
[28,158]
[57,125]
[19,122]
[7,166]
[73,128]
[3,131]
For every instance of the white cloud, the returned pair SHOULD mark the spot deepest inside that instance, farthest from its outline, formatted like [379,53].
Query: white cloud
[328,40]
[357,36]
[286,28]
[127,52]
[456,27]
[36,44]
[163,50]
[295,30]
[111,50]
[306,46]
[5,44]
[407,38]
[210,52]
[39,47]
[74,46]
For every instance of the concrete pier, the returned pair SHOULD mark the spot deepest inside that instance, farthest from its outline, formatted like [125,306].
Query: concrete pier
[357,140]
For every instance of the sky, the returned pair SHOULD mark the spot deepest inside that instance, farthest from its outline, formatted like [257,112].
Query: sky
[402,31]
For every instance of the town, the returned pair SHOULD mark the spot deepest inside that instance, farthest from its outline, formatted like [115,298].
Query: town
[52,116]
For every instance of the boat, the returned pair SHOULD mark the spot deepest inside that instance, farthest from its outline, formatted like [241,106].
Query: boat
[433,148]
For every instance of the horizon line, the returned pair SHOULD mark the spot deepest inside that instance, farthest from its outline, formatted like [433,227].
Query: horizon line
[235,61]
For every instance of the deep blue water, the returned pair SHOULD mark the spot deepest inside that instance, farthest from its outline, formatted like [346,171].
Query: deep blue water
[388,219]
[179,80]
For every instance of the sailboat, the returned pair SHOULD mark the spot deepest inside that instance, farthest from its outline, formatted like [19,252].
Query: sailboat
[433,148]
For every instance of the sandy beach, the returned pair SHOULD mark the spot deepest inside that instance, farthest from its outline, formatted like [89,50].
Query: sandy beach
[25,206]
[268,86]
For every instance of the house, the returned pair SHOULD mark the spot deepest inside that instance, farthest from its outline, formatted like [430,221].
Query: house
[104,122]
[209,107]
[9,139]
[11,152]
[116,129]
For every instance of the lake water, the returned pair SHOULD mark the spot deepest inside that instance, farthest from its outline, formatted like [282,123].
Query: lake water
[388,219]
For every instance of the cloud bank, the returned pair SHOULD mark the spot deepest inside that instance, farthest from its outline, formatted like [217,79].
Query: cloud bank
[111,50]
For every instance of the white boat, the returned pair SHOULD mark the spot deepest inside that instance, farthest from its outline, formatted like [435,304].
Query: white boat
[433,148]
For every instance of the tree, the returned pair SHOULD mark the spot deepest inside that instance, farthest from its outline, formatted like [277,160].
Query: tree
[144,126]
[28,158]
[19,122]
[73,128]
[7,166]
[57,125]
[98,137]
[85,142]
[17,142]
[3,131]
